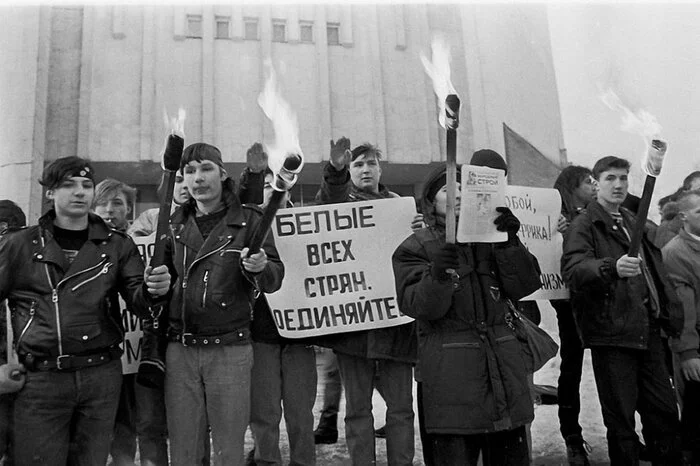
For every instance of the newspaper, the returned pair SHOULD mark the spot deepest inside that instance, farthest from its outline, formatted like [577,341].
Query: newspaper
[483,189]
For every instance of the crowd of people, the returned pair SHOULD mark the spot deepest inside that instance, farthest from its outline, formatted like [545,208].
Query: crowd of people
[213,363]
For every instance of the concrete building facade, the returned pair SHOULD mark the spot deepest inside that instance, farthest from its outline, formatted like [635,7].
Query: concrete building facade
[93,80]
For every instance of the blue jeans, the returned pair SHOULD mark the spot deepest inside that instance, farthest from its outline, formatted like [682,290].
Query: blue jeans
[395,384]
[283,374]
[67,417]
[207,384]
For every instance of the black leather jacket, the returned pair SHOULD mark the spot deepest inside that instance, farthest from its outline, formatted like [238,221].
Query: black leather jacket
[59,308]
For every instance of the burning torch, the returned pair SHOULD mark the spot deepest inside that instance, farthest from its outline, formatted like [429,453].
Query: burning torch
[652,166]
[285,153]
[439,72]
[171,163]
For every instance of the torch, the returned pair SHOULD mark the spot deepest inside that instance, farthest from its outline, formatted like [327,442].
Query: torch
[283,182]
[652,166]
[452,104]
[171,163]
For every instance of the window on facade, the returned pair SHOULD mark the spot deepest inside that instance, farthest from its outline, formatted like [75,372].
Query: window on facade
[279,31]
[306,32]
[194,26]
[223,27]
[251,28]
[333,32]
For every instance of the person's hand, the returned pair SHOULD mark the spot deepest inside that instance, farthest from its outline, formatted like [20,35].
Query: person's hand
[255,263]
[256,158]
[12,378]
[157,280]
[340,153]
[507,221]
[417,222]
[691,369]
[627,266]
[446,261]
[562,224]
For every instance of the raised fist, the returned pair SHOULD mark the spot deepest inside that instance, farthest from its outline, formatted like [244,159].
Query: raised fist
[256,158]
[340,153]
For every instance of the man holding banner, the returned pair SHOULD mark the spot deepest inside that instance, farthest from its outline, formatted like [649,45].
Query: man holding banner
[348,177]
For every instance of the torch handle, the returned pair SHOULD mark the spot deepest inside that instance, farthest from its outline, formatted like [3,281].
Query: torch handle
[263,227]
[450,214]
[641,219]
[163,225]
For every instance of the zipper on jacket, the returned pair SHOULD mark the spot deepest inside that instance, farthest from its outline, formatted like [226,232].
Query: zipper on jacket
[206,284]
[32,311]
[104,270]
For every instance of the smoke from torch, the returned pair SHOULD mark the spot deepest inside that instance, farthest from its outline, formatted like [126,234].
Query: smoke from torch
[285,156]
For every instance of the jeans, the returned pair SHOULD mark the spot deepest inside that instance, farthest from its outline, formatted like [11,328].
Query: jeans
[283,374]
[506,448]
[207,384]
[690,418]
[630,380]
[6,408]
[395,384]
[571,352]
[67,417]
[327,364]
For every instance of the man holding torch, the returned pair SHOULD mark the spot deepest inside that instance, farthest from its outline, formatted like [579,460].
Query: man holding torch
[621,303]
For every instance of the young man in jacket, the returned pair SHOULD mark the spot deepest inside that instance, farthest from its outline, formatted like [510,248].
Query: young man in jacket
[620,304]
[209,357]
[355,176]
[682,259]
[61,278]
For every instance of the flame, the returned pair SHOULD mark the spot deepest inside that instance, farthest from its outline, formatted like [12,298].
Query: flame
[284,122]
[439,72]
[176,125]
[643,124]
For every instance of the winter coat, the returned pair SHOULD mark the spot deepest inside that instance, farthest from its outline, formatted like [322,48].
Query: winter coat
[395,343]
[62,308]
[610,310]
[212,293]
[682,260]
[470,363]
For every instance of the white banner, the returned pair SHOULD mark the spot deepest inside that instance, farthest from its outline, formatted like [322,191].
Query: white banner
[538,210]
[338,272]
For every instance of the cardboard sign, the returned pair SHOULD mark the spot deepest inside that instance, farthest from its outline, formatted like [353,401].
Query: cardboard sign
[538,210]
[338,272]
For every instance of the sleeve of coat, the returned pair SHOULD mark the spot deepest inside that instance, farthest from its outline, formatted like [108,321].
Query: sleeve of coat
[681,279]
[270,278]
[581,269]
[419,294]
[251,186]
[130,279]
[335,185]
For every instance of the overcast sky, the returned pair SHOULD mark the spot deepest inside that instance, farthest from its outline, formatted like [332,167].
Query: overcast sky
[649,54]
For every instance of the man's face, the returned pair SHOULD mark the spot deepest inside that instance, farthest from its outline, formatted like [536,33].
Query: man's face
[365,173]
[691,215]
[612,187]
[180,192]
[587,190]
[203,180]
[441,200]
[72,197]
[114,210]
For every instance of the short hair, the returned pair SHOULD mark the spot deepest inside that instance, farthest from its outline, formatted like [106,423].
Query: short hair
[684,199]
[571,178]
[366,149]
[606,163]
[689,179]
[110,187]
[66,167]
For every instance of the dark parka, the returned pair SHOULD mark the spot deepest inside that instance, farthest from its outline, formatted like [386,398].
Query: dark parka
[395,343]
[59,308]
[610,310]
[212,293]
[469,360]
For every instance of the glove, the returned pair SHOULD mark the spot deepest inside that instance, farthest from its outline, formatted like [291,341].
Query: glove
[507,221]
[446,258]
[340,153]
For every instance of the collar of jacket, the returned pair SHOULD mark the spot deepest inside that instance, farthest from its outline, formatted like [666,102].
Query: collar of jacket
[599,215]
[383,193]
[98,230]
[693,243]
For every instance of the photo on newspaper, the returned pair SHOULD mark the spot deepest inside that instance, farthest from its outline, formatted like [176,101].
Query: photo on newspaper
[483,189]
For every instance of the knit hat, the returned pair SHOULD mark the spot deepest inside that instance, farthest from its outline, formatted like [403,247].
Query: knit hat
[64,168]
[489,158]
[432,184]
[12,214]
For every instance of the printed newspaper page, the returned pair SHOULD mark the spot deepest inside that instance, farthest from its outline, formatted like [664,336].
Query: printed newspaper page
[483,189]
